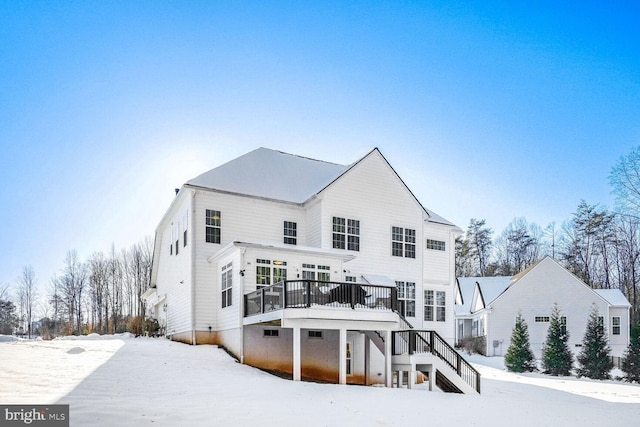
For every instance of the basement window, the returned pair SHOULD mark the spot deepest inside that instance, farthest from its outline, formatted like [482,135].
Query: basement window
[315,334]
[271,333]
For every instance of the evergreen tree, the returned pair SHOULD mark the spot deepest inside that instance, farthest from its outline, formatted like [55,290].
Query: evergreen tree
[519,357]
[557,358]
[594,358]
[8,318]
[631,360]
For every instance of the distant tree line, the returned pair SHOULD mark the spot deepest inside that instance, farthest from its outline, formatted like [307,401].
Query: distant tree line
[101,294]
[600,246]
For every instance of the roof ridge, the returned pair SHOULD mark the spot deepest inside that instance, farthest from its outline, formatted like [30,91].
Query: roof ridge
[303,157]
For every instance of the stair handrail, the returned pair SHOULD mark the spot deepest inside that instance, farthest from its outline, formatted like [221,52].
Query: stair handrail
[404,323]
[437,346]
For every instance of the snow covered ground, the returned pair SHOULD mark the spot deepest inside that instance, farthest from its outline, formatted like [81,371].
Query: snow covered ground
[125,381]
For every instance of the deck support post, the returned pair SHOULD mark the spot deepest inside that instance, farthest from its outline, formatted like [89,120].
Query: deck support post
[432,377]
[342,357]
[367,362]
[388,373]
[296,354]
[411,377]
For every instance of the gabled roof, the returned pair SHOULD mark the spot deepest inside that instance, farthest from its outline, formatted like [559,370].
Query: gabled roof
[490,288]
[614,297]
[276,175]
[486,289]
[271,174]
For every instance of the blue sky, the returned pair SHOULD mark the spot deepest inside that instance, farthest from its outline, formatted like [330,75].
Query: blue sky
[486,109]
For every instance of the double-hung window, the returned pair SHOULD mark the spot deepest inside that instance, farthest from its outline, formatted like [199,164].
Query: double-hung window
[403,242]
[213,225]
[407,298]
[290,233]
[435,306]
[441,306]
[615,324]
[428,305]
[226,281]
[346,234]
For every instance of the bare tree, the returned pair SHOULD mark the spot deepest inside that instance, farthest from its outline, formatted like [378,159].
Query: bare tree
[73,282]
[625,181]
[28,294]
[98,285]
[518,247]
[115,287]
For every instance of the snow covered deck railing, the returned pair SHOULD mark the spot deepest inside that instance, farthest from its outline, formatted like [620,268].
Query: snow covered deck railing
[308,293]
[416,342]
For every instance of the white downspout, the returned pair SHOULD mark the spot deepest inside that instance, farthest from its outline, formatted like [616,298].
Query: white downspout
[241,295]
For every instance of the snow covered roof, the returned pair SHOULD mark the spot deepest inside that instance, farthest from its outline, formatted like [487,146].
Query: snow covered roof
[374,279]
[467,286]
[276,175]
[614,297]
[490,287]
[271,174]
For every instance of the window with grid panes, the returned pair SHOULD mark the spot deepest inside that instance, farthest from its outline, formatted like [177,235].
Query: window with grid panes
[212,226]
[226,284]
[290,233]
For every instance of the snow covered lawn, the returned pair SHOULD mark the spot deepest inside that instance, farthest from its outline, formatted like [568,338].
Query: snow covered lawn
[122,381]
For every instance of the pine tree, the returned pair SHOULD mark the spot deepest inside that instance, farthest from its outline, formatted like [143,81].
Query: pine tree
[519,357]
[631,360]
[594,357]
[557,358]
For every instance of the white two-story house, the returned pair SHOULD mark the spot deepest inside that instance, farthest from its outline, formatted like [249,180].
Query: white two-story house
[313,269]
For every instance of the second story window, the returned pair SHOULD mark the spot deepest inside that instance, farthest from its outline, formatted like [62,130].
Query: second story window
[177,237]
[212,226]
[263,273]
[403,242]
[185,226]
[435,308]
[267,275]
[437,245]
[290,233]
[346,234]
[441,306]
[407,298]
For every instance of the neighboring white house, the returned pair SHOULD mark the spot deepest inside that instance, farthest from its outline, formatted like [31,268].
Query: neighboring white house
[299,265]
[488,307]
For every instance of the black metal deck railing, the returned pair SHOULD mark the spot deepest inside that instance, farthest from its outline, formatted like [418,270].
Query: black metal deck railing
[308,293]
[416,342]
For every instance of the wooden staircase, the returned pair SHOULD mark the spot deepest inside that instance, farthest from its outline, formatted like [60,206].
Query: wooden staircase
[425,351]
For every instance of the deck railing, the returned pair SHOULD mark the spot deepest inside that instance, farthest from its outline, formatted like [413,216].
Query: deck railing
[416,342]
[308,293]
